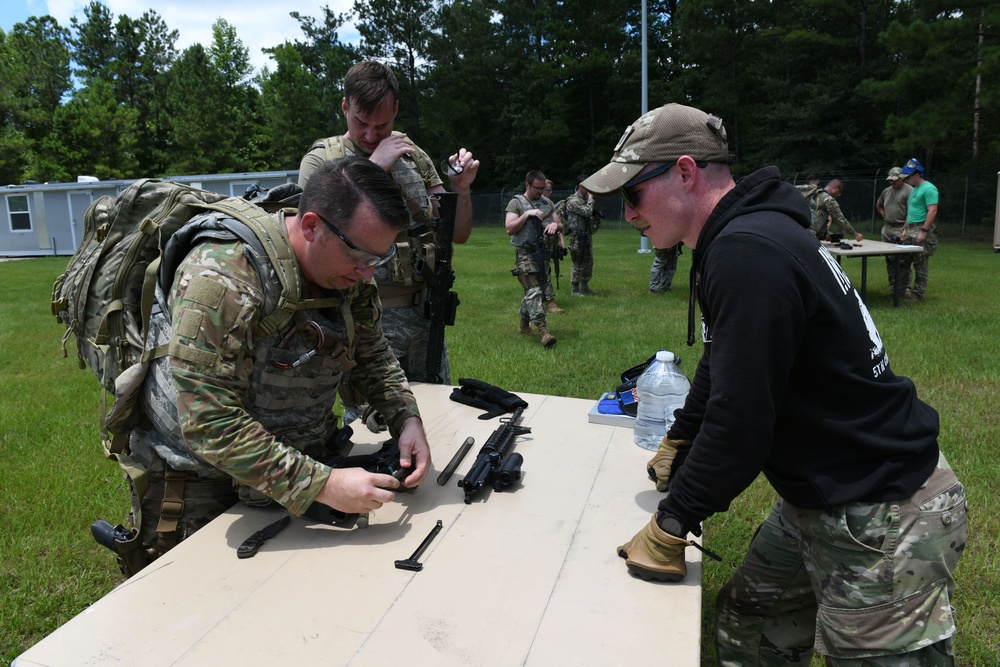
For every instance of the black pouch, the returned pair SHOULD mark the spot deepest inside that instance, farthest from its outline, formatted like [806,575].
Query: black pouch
[628,396]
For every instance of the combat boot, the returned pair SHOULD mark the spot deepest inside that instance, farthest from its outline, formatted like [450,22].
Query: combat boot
[548,340]
[585,288]
[576,290]
[654,554]
[553,308]
[525,326]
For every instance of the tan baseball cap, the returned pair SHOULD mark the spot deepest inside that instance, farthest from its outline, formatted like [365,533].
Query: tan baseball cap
[662,135]
[895,174]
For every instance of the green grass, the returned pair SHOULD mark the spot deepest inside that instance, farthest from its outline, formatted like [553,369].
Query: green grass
[55,481]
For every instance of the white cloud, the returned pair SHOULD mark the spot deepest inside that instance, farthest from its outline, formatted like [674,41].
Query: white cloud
[258,23]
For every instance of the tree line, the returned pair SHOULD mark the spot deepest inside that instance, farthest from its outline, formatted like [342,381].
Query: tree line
[838,87]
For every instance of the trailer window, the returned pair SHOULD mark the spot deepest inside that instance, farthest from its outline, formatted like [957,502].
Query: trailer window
[19,212]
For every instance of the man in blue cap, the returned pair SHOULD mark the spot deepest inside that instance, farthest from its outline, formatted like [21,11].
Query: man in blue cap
[921,213]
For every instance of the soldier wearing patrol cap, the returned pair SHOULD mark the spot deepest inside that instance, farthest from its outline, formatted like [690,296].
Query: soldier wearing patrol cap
[891,205]
[856,559]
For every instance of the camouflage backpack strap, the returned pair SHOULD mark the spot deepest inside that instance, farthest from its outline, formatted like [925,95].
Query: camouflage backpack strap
[273,240]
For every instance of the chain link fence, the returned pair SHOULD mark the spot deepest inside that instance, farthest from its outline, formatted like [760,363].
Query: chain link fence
[963,204]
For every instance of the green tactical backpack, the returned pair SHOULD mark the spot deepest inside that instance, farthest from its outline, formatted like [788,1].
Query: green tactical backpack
[106,294]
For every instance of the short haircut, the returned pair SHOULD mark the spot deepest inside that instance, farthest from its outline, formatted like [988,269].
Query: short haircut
[534,175]
[338,187]
[580,179]
[368,84]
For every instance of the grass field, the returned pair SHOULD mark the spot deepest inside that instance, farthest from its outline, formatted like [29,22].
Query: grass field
[54,480]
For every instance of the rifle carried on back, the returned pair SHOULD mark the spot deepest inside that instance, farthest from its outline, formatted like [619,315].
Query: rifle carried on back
[442,303]
[490,466]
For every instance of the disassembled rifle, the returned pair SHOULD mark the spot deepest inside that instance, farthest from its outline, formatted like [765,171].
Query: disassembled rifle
[490,466]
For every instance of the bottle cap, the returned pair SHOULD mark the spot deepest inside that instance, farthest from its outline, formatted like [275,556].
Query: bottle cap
[665,356]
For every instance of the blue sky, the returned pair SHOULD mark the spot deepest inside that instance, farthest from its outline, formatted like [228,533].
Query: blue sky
[258,23]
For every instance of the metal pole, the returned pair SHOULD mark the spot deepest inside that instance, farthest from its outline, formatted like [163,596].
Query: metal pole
[645,87]
[643,241]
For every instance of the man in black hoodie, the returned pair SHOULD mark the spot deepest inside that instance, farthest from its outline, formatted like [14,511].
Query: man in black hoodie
[855,560]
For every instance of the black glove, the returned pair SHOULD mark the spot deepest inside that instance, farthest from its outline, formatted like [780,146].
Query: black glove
[494,400]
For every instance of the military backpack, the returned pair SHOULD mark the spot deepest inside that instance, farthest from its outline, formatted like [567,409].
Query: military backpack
[106,295]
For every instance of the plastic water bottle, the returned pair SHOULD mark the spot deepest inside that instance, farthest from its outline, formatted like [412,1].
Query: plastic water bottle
[662,389]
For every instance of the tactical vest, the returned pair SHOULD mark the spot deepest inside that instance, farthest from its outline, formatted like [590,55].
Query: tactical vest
[400,277]
[530,231]
[294,404]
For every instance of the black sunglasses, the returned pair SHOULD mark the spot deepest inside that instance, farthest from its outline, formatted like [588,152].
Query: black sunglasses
[363,258]
[632,199]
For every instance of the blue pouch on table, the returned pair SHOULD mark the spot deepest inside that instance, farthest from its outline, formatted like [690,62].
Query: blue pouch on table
[609,405]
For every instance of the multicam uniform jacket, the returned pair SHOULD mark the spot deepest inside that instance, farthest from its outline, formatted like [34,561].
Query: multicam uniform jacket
[578,214]
[826,207]
[225,404]
[578,211]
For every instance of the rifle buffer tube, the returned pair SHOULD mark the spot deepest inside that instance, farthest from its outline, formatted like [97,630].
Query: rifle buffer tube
[455,461]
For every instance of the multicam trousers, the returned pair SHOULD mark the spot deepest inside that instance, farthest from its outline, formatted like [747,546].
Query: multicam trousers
[581,250]
[862,584]
[920,261]
[661,275]
[533,303]
[892,233]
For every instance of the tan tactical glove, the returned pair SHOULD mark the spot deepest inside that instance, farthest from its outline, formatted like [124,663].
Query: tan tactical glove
[669,456]
[654,554]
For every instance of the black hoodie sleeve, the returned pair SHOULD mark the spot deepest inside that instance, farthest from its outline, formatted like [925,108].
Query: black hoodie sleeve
[688,421]
[755,315]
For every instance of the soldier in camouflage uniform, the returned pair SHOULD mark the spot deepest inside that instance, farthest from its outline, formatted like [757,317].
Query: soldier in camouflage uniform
[826,211]
[528,221]
[921,212]
[579,209]
[661,274]
[891,205]
[856,560]
[370,104]
[226,407]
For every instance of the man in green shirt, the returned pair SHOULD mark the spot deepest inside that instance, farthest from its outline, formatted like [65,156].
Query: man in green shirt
[922,211]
